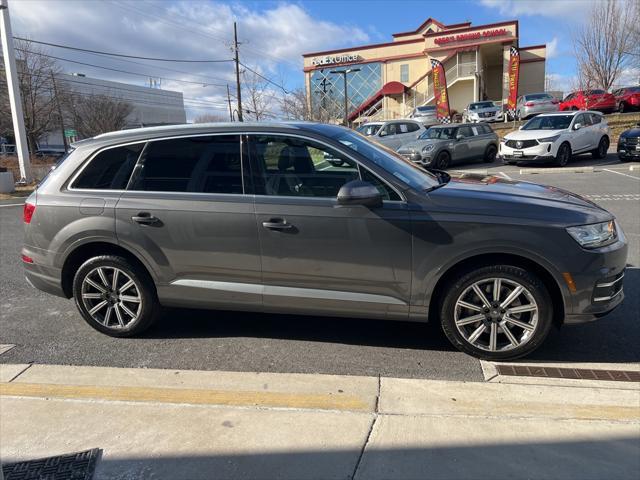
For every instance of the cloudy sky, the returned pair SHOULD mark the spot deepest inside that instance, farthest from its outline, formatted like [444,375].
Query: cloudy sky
[274,34]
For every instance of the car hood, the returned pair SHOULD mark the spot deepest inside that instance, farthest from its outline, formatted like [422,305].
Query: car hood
[634,132]
[532,134]
[497,196]
[418,144]
[484,110]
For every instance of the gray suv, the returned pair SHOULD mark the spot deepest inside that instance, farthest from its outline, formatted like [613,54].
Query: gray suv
[253,217]
[392,133]
[441,146]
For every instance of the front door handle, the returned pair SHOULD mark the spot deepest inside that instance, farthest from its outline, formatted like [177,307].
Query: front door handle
[145,218]
[277,224]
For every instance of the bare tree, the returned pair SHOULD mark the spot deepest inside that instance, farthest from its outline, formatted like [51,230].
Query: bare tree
[258,99]
[603,44]
[210,118]
[39,103]
[92,115]
[294,105]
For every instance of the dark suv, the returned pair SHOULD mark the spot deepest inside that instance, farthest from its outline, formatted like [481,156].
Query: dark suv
[254,217]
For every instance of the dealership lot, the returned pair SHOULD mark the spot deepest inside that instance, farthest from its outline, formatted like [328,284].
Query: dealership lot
[47,329]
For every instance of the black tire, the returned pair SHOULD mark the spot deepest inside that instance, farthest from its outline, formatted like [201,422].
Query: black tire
[508,273]
[564,155]
[574,109]
[144,288]
[443,160]
[621,107]
[510,163]
[601,151]
[490,154]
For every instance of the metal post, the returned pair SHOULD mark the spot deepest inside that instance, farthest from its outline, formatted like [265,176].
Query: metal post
[15,100]
[346,96]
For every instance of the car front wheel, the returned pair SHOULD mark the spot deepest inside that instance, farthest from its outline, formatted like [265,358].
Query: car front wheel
[499,312]
[564,155]
[115,296]
[442,160]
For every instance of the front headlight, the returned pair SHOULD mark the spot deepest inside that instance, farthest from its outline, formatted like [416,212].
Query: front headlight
[427,148]
[595,235]
[549,139]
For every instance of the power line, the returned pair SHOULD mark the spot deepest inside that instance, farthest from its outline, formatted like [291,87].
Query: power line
[266,79]
[204,84]
[121,54]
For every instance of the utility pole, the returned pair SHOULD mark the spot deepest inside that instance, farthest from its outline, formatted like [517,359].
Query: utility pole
[346,97]
[17,115]
[229,101]
[238,91]
[57,98]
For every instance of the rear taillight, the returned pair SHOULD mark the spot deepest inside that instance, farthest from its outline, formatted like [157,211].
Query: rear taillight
[26,259]
[27,213]
[529,104]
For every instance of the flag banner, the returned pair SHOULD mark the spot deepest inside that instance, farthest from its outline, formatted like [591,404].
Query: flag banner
[443,114]
[514,73]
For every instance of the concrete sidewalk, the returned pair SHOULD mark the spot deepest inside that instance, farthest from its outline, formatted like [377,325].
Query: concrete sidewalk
[157,424]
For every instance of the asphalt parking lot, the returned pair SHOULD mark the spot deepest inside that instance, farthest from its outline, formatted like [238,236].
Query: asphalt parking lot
[48,329]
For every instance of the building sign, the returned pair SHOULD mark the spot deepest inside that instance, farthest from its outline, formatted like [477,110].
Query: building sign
[514,73]
[332,59]
[441,96]
[461,37]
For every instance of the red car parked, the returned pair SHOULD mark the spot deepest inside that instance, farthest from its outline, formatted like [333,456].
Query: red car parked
[589,100]
[627,98]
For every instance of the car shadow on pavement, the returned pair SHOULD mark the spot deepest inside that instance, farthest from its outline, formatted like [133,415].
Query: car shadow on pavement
[353,331]
[615,457]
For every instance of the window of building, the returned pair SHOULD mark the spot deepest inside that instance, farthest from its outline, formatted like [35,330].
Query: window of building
[404,73]
[109,169]
[209,164]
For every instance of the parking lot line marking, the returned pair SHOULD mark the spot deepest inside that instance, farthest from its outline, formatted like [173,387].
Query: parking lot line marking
[12,205]
[186,396]
[620,173]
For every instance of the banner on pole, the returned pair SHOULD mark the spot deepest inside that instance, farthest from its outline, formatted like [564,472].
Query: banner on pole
[443,114]
[514,73]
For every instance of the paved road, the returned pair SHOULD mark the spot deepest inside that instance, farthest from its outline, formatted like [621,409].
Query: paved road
[46,329]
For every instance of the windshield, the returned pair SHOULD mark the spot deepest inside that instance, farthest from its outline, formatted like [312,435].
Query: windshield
[390,161]
[428,108]
[370,129]
[444,133]
[479,105]
[553,122]
[55,165]
[596,92]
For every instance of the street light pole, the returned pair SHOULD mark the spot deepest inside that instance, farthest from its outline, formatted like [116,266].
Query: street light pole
[346,96]
[15,101]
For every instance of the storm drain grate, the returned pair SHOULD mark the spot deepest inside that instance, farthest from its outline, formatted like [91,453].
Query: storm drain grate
[74,466]
[570,373]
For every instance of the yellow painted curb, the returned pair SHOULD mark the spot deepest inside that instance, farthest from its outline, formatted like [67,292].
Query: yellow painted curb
[188,396]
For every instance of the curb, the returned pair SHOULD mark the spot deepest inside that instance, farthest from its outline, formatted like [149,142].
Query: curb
[532,171]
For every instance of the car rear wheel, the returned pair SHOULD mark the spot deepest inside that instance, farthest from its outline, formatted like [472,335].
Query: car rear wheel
[490,154]
[601,151]
[564,155]
[621,107]
[443,160]
[115,296]
[499,312]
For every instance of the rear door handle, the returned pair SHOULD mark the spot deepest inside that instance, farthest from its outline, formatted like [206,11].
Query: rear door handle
[277,224]
[145,218]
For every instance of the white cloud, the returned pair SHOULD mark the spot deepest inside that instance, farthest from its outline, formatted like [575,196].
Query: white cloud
[547,8]
[273,39]
[552,48]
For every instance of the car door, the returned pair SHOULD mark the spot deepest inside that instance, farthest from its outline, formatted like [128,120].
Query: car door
[185,211]
[461,149]
[477,141]
[580,138]
[318,256]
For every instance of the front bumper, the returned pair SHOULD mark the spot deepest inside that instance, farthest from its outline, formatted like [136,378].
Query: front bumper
[497,117]
[543,152]
[629,151]
[421,158]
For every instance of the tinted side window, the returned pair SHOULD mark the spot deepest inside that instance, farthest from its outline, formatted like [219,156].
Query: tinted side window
[197,164]
[412,127]
[595,118]
[110,169]
[387,192]
[294,167]
[465,131]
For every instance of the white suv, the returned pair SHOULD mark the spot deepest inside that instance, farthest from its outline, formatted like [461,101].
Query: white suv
[556,137]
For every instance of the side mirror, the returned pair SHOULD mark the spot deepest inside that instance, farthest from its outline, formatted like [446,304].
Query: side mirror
[459,136]
[358,192]
[577,126]
[520,127]
[383,133]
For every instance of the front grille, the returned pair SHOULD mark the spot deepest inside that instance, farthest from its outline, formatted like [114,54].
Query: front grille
[608,288]
[630,140]
[521,143]
[486,114]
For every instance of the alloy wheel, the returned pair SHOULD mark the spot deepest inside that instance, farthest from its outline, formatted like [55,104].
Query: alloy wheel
[496,314]
[112,298]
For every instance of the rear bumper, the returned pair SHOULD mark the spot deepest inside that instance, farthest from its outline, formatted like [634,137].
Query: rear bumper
[529,111]
[40,275]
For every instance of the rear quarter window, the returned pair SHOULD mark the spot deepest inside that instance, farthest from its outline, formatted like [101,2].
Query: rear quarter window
[110,169]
